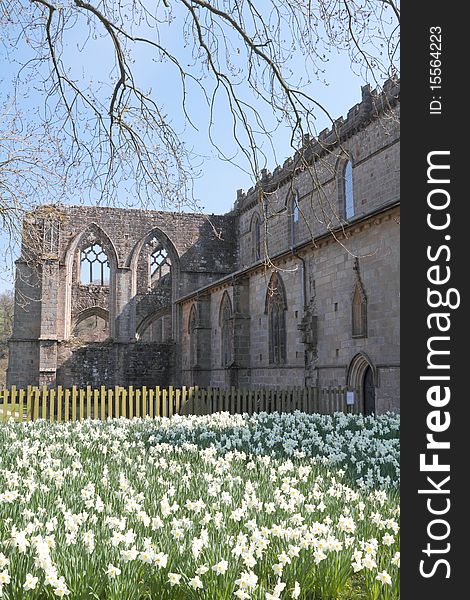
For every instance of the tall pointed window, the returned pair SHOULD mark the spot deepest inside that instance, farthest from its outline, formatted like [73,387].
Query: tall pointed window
[295,208]
[160,263]
[256,238]
[94,266]
[192,324]
[359,312]
[294,217]
[348,190]
[275,308]
[226,330]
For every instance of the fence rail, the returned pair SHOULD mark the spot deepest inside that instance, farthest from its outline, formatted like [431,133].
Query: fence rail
[65,404]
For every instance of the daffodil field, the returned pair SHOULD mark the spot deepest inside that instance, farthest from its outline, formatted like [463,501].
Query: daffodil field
[261,507]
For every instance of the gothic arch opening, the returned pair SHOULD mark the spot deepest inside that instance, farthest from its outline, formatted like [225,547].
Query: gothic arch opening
[255,229]
[91,325]
[345,187]
[192,325]
[362,377]
[226,330]
[275,308]
[154,265]
[91,263]
[155,327]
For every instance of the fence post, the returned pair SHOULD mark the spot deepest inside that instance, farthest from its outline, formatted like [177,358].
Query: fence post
[21,405]
[237,401]
[52,394]
[110,397]
[60,398]
[37,398]
[66,404]
[144,411]
[151,401]
[123,402]
[190,407]
[263,400]
[295,399]
[88,402]
[103,403]
[96,402]
[117,391]
[241,401]
[308,400]
[183,398]
[44,393]
[29,403]
[158,412]
[137,403]
[131,401]
[250,398]
[177,401]
[75,394]
[339,400]
[81,402]
[6,394]
[13,397]
[199,403]
[164,402]
[288,400]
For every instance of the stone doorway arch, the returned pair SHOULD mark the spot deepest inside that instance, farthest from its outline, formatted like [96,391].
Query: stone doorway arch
[362,377]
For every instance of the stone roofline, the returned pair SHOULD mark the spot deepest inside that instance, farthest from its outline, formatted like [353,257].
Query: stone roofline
[58,209]
[372,105]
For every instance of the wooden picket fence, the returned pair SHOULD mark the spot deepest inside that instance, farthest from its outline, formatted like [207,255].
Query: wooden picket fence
[59,404]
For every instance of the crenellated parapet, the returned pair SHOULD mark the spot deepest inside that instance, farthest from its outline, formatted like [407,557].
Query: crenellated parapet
[373,104]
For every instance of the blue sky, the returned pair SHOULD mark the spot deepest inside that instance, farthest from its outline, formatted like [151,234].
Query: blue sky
[215,190]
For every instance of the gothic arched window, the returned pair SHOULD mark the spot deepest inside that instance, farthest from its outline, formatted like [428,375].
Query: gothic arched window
[348,190]
[94,265]
[226,330]
[256,238]
[275,308]
[160,263]
[294,215]
[192,324]
[295,208]
[359,312]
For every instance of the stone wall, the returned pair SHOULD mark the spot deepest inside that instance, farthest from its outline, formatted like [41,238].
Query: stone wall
[330,279]
[111,364]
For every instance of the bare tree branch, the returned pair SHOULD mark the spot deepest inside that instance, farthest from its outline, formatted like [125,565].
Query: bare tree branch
[113,134]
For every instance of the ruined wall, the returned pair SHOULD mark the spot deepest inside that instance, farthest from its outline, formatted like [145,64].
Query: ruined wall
[200,249]
[111,364]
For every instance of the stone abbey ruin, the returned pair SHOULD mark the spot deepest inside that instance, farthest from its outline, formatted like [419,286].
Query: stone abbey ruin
[300,290]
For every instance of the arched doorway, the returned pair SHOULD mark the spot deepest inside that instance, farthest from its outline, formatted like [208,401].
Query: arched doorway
[368,392]
[362,377]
